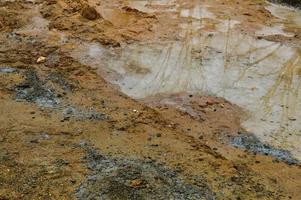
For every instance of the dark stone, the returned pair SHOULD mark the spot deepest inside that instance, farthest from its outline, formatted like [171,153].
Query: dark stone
[90,13]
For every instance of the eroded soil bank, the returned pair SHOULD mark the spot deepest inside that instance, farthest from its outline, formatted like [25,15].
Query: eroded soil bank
[149,100]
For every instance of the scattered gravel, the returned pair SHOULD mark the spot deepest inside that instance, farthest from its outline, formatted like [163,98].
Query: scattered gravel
[253,144]
[124,178]
[34,90]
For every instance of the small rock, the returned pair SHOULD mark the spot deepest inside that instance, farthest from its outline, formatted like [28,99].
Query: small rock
[136,183]
[121,129]
[61,162]
[41,59]
[247,14]
[44,136]
[90,13]
[34,141]
[69,111]
[159,135]
[79,131]
[65,118]
[210,102]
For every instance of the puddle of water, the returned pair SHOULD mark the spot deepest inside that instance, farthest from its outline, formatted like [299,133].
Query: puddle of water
[290,16]
[197,12]
[154,5]
[226,25]
[274,30]
[261,76]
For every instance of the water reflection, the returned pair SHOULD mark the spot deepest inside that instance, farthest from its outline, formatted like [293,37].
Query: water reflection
[263,77]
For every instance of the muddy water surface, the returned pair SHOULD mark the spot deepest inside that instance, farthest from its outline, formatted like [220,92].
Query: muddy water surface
[263,77]
[290,16]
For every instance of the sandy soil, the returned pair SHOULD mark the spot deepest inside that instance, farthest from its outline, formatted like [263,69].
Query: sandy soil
[66,133]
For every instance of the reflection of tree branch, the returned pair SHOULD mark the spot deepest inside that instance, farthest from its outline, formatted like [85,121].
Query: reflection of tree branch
[244,71]
[284,84]
[253,50]
[266,56]
[226,46]
[267,74]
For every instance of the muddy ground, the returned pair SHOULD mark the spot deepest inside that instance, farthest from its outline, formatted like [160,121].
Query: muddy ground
[66,133]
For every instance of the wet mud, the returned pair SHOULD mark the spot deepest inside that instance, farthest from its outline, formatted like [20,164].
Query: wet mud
[249,69]
[254,145]
[34,90]
[123,178]
[83,114]
[156,104]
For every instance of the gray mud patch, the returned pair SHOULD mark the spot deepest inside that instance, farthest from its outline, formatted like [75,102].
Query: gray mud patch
[87,114]
[48,93]
[254,145]
[7,70]
[59,79]
[123,178]
[34,90]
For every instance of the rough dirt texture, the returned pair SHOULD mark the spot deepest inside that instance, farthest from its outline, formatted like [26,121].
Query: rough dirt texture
[65,133]
[121,178]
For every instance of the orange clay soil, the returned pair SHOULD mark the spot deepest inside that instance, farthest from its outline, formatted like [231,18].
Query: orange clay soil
[41,156]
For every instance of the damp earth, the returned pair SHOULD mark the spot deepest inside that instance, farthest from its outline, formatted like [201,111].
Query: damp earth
[162,99]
